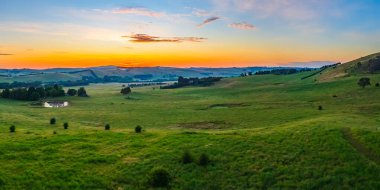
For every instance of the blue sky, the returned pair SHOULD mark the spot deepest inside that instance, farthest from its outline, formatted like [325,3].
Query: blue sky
[41,33]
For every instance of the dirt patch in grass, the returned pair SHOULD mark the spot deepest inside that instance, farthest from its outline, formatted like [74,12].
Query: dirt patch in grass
[369,154]
[204,125]
[227,105]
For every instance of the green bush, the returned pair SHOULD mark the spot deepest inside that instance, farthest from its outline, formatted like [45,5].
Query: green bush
[53,121]
[186,157]
[138,129]
[54,132]
[12,128]
[320,108]
[203,160]
[159,177]
[66,125]
[107,127]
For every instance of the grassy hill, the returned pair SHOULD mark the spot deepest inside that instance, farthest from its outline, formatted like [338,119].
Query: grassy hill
[355,67]
[260,132]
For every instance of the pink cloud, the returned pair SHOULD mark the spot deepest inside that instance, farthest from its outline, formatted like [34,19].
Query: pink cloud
[242,26]
[139,12]
[144,38]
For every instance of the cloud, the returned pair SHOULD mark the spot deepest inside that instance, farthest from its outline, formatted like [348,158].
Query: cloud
[74,31]
[242,26]
[5,54]
[209,20]
[200,12]
[291,10]
[139,11]
[144,38]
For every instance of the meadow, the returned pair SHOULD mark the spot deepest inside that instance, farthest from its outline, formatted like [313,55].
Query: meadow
[260,132]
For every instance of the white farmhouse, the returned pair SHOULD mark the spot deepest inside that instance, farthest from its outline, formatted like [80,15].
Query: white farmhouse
[56,104]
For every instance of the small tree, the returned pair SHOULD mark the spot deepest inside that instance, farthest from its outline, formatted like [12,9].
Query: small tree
[12,129]
[66,125]
[320,108]
[82,92]
[363,82]
[138,129]
[126,90]
[159,177]
[186,157]
[203,160]
[53,121]
[72,92]
[107,127]
[377,84]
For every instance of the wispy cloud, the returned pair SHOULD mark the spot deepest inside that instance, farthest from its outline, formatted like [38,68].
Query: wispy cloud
[5,54]
[144,38]
[293,10]
[138,11]
[209,20]
[62,30]
[200,12]
[242,26]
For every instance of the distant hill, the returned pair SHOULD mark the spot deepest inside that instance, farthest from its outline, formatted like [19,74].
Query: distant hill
[134,74]
[364,65]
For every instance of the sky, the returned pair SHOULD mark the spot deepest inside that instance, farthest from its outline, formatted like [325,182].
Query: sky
[185,33]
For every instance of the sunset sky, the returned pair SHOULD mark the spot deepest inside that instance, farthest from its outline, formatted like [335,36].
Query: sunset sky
[185,33]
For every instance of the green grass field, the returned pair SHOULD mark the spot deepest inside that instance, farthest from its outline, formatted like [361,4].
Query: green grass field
[260,132]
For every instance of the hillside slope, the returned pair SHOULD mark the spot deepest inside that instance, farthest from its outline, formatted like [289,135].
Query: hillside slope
[364,65]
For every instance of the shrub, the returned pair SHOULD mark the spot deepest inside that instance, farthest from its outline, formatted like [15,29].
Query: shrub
[53,121]
[377,85]
[203,160]
[12,129]
[54,132]
[363,82]
[107,127]
[159,177]
[66,125]
[138,129]
[82,92]
[187,158]
[320,108]
[72,92]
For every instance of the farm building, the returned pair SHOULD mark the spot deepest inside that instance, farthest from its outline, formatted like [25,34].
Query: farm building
[56,104]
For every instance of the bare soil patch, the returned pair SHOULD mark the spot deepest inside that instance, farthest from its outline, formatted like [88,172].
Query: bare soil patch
[227,105]
[204,125]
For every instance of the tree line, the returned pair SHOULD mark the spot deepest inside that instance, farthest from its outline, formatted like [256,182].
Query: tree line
[182,82]
[284,71]
[41,92]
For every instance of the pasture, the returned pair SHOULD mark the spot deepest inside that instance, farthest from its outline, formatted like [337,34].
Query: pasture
[260,132]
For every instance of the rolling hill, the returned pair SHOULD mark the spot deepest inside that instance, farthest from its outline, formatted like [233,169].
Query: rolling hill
[135,74]
[364,65]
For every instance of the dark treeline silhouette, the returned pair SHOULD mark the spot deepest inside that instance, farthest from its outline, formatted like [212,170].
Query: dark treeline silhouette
[285,71]
[133,85]
[33,93]
[182,82]
[41,92]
